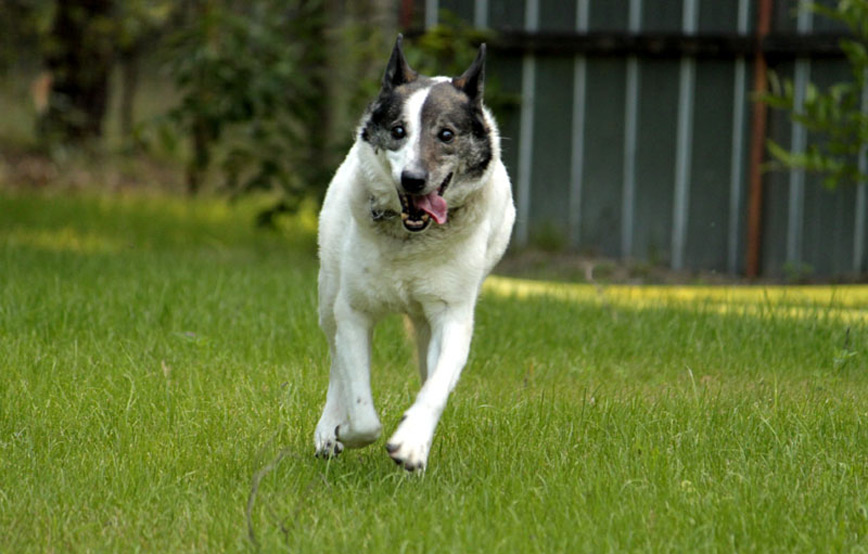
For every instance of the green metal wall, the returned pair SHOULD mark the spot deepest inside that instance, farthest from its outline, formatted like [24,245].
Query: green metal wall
[645,157]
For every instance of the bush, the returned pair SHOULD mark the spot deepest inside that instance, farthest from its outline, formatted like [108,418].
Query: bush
[249,75]
[837,115]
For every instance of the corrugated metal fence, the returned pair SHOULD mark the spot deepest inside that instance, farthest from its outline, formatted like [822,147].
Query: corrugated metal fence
[634,131]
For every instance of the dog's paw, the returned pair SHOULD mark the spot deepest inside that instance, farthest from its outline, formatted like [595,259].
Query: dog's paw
[410,444]
[330,440]
[327,444]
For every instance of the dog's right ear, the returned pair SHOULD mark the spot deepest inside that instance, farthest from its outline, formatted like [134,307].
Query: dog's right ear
[398,72]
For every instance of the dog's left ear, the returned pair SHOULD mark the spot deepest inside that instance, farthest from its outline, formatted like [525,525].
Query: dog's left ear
[472,81]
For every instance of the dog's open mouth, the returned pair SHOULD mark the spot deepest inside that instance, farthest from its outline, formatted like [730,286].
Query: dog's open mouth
[417,210]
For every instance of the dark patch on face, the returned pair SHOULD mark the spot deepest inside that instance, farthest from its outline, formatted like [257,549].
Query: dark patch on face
[447,108]
[387,111]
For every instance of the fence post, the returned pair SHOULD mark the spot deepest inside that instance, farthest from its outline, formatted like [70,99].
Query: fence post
[757,143]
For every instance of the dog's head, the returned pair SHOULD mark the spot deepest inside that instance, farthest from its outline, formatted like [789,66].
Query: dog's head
[431,139]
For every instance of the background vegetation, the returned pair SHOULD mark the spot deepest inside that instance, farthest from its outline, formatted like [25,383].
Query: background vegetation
[261,95]
[838,115]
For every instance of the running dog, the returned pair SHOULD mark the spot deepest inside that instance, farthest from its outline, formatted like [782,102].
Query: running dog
[416,216]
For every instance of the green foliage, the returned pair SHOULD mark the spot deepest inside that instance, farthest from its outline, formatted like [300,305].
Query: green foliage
[449,48]
[135,20]
[79,52]
[248,75]
[837,115]
[23,26]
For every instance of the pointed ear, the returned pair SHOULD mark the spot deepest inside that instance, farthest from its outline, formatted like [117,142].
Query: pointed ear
[398,72]
[472,81]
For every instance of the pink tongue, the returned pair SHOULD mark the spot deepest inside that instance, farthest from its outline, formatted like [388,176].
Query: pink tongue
[433,205]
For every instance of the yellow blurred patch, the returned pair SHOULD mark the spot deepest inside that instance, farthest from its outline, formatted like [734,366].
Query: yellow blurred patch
[847,303]
[65,239]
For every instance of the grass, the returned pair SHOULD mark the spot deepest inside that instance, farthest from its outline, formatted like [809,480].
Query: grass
[161,375]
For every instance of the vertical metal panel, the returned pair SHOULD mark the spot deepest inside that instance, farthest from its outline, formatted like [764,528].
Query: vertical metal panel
[628,195]
[506,14]
[736,171]
[662,16]
[577,159]
[720,17]
[631,110]
[557,16]
[525,148]
[480,13]
[506,70]
[828,229]
[609,15]
[464,10]
[776,192]
[687,78]
[601,197]
[432,9]
[708,235]
[549,208]
[861,196]
[795,206]
[828,217]
[655,160]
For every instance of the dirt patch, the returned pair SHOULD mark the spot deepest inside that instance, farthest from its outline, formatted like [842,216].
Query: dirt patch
[24,168]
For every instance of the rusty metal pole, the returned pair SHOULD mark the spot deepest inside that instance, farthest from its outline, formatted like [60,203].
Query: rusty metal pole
[406,18]
[757,143]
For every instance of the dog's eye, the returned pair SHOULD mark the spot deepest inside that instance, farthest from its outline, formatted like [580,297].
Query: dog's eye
[398,132]
[446,135]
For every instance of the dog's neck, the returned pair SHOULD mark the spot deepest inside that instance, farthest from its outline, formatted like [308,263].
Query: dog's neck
[382,215]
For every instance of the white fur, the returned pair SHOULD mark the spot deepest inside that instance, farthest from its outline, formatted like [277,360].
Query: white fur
[371,268]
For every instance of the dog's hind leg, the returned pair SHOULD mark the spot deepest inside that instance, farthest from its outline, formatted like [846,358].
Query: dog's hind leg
[449,347]
[422,331]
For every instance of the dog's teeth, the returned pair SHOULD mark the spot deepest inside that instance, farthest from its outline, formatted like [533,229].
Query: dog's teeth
[404,216]
[425,217]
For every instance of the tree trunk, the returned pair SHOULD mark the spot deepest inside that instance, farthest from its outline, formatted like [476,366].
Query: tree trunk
[79,57]
[201,158]
[129,86]
[358,39]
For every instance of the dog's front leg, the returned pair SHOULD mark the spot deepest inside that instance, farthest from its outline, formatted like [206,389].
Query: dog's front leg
[451,332]
[349,418]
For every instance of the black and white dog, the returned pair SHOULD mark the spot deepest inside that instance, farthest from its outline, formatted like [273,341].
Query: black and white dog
[414,219]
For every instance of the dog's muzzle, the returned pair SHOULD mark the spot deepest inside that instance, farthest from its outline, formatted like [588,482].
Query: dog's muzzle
[418,210]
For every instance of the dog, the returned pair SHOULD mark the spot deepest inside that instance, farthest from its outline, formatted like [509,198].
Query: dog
[414,219]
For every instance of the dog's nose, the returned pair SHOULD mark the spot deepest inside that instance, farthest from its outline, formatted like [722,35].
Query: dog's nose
[413,180]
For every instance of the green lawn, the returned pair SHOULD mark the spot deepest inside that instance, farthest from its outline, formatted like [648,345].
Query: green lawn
[161,374]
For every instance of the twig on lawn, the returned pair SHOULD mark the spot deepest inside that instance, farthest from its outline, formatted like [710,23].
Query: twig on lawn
[254,490]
